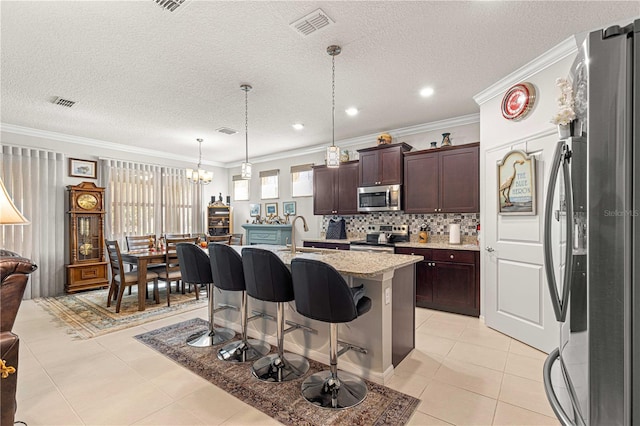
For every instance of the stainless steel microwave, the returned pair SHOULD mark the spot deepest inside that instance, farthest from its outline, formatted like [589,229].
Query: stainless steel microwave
[379,198]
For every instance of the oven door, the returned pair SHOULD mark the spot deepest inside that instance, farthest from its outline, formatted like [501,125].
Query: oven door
[379,198]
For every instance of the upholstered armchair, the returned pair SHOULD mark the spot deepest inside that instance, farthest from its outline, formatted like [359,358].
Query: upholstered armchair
[14,273]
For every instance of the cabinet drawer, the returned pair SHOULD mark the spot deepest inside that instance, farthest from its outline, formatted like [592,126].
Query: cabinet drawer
[457,256]
[426,253]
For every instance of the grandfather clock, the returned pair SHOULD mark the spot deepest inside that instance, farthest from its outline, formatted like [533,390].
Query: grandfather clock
[87,268]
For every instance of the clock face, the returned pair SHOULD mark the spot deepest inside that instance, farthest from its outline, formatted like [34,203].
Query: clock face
[518,101]
[87,201]
[85,249]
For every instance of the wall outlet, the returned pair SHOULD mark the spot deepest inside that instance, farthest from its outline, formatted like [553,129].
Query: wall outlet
[387,296]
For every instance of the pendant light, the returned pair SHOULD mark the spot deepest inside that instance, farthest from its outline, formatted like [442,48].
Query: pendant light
[333,152]
[245,172]
[199,176]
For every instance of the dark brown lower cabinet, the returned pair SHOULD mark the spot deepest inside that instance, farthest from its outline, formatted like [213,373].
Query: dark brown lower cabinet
[447,280]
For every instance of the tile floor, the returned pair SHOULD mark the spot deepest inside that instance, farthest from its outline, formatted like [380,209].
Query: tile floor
[463,372]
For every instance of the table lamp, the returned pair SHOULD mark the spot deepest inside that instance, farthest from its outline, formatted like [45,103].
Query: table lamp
[9,214]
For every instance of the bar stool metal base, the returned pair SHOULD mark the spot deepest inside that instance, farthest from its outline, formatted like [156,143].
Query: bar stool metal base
[207,338]
[273,368]
[243,351]
[323,390]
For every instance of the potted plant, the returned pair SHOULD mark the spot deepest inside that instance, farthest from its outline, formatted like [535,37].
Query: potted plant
[566,114]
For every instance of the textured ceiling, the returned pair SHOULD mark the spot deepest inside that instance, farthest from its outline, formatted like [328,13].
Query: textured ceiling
[148,78]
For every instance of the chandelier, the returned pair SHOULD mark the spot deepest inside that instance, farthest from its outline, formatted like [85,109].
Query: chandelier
[199,176]
[333,152]
[245,172]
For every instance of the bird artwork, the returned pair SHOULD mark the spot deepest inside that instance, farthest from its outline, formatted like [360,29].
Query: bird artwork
[505,188]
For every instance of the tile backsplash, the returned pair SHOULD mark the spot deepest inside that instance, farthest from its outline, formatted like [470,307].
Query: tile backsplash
[438,223]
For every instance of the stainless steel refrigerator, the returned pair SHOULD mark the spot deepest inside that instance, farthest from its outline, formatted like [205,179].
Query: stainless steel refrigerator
[592,238]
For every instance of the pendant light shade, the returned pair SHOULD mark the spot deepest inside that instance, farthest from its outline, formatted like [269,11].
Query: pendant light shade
[199,176]
[333,152]
[245,172]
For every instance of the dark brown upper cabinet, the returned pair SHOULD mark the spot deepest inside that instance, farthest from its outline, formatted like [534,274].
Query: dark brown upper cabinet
[335,190]
[382,165]
[442,180]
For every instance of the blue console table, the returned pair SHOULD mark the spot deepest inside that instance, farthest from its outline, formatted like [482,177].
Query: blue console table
[267,234]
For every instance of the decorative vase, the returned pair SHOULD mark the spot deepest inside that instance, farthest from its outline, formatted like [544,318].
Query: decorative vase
[564,131]
[344,156]
[445,139]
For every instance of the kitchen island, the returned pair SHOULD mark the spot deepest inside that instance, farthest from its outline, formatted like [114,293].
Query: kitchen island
[387,331]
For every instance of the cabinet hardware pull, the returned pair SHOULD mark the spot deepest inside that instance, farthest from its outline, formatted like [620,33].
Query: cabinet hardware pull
[451,257]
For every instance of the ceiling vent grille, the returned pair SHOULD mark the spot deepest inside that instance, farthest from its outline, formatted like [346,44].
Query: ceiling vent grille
[170,5]
[312,22]
[226,131]
[64,102]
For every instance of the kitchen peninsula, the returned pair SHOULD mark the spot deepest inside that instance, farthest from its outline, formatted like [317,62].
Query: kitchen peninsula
[386,331]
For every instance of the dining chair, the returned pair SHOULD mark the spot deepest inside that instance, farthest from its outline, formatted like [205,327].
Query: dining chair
[140,242]
[121,279]
[236,239]
[225,239]
[172,266]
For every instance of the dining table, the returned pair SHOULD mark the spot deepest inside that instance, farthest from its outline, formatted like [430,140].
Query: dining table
[142,259]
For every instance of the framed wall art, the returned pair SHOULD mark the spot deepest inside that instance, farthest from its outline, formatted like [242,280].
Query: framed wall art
[516,184]
[254,210]
[83,168]
[289,208]
[271,209]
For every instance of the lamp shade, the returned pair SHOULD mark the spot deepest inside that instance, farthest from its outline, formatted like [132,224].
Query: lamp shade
[9,214]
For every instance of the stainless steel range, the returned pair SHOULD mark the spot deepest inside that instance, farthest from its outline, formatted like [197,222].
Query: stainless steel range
[382,238]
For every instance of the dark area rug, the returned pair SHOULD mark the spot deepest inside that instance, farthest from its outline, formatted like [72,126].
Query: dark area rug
[282,401]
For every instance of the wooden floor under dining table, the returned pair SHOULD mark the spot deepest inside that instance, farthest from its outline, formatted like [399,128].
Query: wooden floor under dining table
[143,258]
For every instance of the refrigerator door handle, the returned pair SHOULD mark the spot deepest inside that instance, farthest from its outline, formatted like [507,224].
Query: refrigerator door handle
[548,389]
[559,303]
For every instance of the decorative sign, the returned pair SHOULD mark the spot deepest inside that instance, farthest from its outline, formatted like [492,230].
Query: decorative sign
[516,180]
[518,101]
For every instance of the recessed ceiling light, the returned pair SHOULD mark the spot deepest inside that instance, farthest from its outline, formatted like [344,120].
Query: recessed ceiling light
[298,126]
[426,92]
[351,111]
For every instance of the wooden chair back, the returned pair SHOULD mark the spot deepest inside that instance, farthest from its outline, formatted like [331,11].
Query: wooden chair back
[225,239]
[115,259]
[236,239]
[141,242]
[173,236]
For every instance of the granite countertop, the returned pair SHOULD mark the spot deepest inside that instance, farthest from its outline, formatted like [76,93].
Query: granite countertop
[357,264]
[440,245]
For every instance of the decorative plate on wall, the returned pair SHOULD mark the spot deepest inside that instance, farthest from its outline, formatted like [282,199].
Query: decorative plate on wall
[518,101]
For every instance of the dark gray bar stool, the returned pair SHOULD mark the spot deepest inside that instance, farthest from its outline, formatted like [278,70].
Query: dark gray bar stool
[323,295]
[268,278]
[226,268]
[195,268]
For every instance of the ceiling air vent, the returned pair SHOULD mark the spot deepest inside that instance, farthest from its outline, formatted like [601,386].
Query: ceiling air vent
[226,131]
[312,22]
[64,102]
[170,5]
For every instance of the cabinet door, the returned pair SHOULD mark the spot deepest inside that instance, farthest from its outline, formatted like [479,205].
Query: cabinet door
[424,286]
[324,183]
[459,181]
[369,168]
[390,166]
[347,189]
[454,287]
[421,183]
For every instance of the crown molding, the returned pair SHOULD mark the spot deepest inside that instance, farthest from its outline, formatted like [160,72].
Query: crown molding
[97,143]
[550,57]
[359,140]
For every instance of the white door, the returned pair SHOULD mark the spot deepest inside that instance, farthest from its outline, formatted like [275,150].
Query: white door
[516,296]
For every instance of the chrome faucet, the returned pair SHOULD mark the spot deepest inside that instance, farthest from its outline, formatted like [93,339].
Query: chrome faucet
[293,231]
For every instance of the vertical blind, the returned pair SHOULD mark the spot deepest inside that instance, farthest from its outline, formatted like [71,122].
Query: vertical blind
[145,199]
[34,179]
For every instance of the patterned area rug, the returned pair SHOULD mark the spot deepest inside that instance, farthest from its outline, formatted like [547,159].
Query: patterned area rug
[382,406]
[87,315]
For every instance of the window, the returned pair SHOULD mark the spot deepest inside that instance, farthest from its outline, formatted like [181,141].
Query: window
[240,188]
[302,180]
[269,184]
